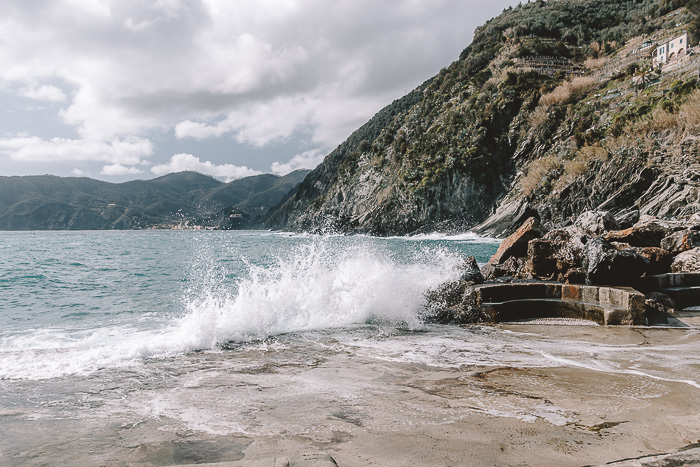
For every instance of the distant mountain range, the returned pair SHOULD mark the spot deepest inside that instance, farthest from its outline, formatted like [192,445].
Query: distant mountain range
[178,200]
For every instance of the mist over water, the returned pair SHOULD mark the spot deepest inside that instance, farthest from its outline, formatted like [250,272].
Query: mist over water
[78,302]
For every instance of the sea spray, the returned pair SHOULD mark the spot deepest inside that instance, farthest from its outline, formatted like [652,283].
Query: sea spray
[316,286]
[233,296]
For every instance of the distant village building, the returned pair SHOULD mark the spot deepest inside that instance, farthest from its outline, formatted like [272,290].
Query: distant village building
[668,51]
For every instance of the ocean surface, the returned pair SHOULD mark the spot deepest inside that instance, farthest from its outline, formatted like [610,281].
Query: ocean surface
[122,337]
[72,303]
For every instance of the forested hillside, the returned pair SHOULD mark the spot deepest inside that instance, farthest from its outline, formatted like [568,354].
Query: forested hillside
[179,200]
[555,108]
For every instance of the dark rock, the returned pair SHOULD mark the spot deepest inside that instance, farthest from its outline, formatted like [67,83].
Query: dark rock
[681,241]
[659,260]
[439,300]
[444,296]
[596,222]
[514,267]
[641,235]
[488,271]
[540,261]
[627,218]
[658,307]
[606,265]
[470,271]
[516,244]
[574,276]
[693,223]
[568,246]
[688,261]
[662,300]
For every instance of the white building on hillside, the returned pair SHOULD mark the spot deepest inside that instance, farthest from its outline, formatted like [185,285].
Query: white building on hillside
[667,51]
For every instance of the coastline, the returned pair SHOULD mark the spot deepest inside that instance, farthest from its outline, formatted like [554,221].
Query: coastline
[305,406]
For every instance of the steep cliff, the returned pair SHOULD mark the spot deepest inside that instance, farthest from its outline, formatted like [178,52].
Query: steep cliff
[551,111]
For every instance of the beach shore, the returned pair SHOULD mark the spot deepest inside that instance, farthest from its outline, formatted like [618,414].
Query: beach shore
[347,403]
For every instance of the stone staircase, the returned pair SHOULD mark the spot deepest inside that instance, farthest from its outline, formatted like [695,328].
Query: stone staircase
[683,288]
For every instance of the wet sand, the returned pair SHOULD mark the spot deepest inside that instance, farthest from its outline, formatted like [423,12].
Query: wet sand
[323,401]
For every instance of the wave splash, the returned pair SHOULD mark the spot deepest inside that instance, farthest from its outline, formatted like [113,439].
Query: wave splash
[313,286]
[318,287]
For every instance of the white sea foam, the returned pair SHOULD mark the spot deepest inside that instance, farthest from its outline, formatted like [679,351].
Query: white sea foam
[314,286]
[317,287]
[469,237]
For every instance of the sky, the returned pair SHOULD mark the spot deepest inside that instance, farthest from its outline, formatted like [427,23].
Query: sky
[133,89]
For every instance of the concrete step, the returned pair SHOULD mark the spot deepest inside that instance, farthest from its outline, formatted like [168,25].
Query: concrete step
[683,297]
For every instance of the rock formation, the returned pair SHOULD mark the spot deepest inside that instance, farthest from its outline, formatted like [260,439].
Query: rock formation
[583,253]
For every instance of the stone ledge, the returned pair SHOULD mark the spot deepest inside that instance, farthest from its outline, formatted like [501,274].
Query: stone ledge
[604,305]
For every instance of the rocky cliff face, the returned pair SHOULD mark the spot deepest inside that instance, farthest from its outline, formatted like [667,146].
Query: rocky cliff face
[513,129]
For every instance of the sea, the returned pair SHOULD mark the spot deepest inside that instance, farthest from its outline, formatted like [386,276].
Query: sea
[115,340]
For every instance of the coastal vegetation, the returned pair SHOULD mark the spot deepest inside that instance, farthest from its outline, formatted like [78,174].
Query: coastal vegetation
[553,109]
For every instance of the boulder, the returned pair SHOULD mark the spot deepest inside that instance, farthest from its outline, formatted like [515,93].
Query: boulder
[469,271]
[449,294]
[693,223]
[659,260]
[596,222]
[606,265]
[512,267]
[574,276]
[681,241]
[627,218]
[568,245]
[688,261]
[540,261]
[516,244]
[641,234]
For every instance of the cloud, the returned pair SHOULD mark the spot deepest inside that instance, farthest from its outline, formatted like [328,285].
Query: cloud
[183,162]
[305,160]
[257,72]
[118,169]
[129,150]
[79,173]
[44,93]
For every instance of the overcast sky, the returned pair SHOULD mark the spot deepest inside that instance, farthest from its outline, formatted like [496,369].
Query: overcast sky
[126,89]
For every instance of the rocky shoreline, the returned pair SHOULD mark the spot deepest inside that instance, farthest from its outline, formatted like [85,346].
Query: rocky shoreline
[636,271]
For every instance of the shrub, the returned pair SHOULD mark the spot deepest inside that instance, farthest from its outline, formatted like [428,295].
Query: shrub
[572,169]
[538,173]
[563,93]
[689,113]
[538,117]
[591,153]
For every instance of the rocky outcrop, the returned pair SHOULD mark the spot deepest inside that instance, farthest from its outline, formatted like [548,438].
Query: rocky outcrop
[681,241]
[688,261]
[605,264]
[479,147]
[570,257]
[596,222]
[517,244]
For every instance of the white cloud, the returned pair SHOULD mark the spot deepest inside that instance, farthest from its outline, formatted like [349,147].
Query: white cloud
[118,169]
[44,93]
[305,160]
[183,162]
[129,150]
[79,172]
[258,71]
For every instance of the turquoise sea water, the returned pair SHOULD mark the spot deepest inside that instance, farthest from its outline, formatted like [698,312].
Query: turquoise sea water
[77,302]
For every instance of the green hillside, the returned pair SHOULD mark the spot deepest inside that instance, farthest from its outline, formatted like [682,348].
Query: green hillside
[175,200]
[555,108]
